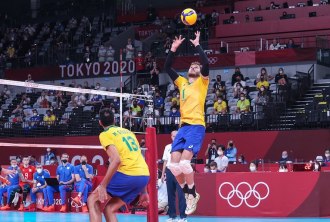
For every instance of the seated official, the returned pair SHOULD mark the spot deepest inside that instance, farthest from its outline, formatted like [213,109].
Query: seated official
[65,177]
[84,175]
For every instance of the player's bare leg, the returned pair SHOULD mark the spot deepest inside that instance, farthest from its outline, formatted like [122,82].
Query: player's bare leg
[94,206]
[193,196]
[111,208]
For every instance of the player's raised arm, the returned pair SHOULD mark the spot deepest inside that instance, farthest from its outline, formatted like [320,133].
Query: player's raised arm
[202,55]
[169,60]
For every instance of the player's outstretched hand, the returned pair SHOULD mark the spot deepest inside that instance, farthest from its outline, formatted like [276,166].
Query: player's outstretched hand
[176,43]
[195,42]
[102,193]
[144,199]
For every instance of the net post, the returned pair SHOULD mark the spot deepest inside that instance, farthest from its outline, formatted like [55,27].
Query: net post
[151,159]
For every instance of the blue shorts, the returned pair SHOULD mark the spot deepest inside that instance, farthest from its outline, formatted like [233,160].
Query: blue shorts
[189,137]
[126,187]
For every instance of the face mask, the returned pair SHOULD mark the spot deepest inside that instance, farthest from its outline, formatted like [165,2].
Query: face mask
[115,100]
[14,165]
[39,171]
[178,96]
[219,101]
[238,87]
[113,111]
[18,160]
[281,71]
[52,162]
[327,154]
[64,161]
[239,160]
[206,170]
[213,171]
[174,110]
[84,162]
[262,89]
[284,156]
[253,169]
[263,72]
[220,153]
[35,114]
[242,98]
[48,150]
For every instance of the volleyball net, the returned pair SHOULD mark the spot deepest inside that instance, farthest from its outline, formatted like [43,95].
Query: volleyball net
[35,116]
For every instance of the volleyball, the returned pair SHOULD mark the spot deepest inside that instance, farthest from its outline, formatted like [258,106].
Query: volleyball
[189,16]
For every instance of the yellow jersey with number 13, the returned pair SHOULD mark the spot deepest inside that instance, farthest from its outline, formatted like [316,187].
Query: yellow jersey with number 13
[132,161]
[192,100]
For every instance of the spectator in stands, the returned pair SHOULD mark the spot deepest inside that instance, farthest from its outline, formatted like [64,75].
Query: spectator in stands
[158,102]
[281,78]
[241,159]
[167,45]
[231,152]
[25,102]
[95,99]
[29,80]
[206,168]
[139,63]
[136,112]
[102,53]
[53,162]
[263,82]
[237,73]
[49,118]
[175,99]
[157,21]
[291,44]
[129,50]
[214,17]
[275,45]
[11,51]
[87,54]
[9,188]
[60,99]
[220,106]
[5,94]
[34,120]
[48,156]
[213,167]
[84,174]
[253,166]
[243,104]
[65,176]
[267,77]
[18,109]
[232,20]
[238,89]
[33,161]
[110,54]
[316,166]
[211,151]
[327,156]
[162,196]
[263,97]
[219,85]
[77,99]
[86,85]
[154,72]
[39,186]
[148,59]
[43,100]
[283,168]
[221,160]
[285,157]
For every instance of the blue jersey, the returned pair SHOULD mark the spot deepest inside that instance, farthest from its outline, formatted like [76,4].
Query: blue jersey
[79,170]
[13,178]
[40,178]
[65,172]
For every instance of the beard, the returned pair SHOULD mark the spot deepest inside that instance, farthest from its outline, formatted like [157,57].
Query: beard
[193,75]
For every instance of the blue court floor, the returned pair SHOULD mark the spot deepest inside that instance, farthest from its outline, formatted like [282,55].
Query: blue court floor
[79,217]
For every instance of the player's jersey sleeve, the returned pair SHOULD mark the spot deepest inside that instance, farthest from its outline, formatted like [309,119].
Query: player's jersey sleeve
[180,81]
[106,140]
[58,171]
[72,169]
[35,176]
[46,175]
[90,170]
[76,169]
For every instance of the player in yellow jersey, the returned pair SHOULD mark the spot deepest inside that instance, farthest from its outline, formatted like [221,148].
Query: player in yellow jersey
[188,141]
[127,175]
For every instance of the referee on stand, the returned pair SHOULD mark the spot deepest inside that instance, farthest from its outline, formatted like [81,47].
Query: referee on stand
[173,186]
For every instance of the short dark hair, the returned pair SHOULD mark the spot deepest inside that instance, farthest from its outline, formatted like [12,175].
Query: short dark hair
[222,147]
[106,117]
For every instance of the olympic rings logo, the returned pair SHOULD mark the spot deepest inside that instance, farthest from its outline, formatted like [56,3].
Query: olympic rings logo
[75,205]
[244,196]
[212,60]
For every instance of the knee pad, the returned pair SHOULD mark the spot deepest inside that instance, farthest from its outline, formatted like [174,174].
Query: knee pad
[186,166]
[175,169]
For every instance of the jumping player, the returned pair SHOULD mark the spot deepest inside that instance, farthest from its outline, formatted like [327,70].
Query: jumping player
[127,174]
[188,141]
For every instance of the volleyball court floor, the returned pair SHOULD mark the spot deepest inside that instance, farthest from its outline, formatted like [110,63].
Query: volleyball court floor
[14,216]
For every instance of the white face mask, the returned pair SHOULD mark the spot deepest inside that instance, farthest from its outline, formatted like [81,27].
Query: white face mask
[242,98]
[213,171]
[14,165]
[113,110]
[39,171]
[253,168]
[262,89]
[281,71]
[284,156]
[206,170]
[35,114]
[220,153]
[327,154]
[219,101]
[174,110]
